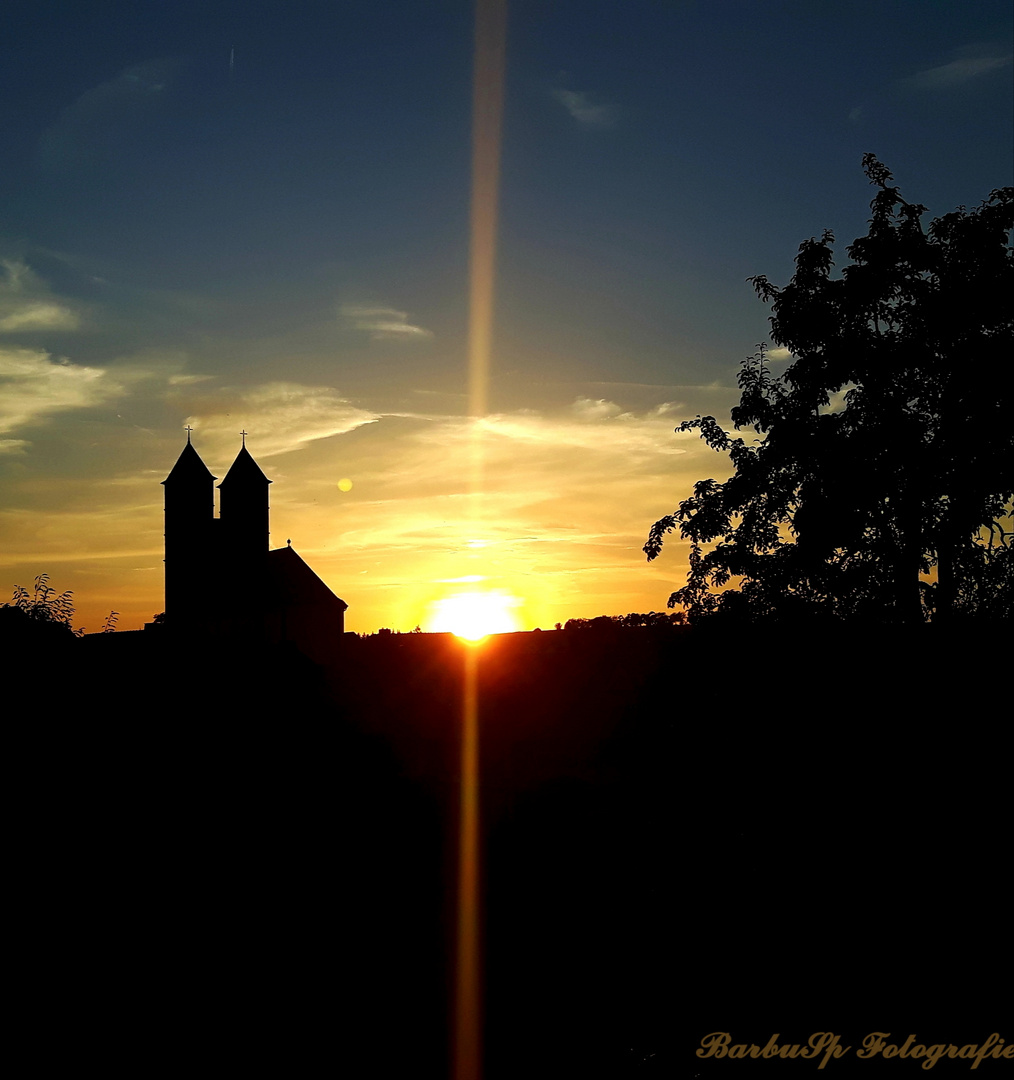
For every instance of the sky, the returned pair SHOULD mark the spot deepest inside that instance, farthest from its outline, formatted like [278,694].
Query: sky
[254,216]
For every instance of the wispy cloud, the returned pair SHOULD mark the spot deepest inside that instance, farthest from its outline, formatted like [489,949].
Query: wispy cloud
[588,112]
[26,305]
[600,429]
[973,65]
[600,409]
[35,387]
[184,379]
[82,129]
[279,417]
[529,450]
[381,323]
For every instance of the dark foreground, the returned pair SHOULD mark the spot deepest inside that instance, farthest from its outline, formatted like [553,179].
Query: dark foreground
[235,862]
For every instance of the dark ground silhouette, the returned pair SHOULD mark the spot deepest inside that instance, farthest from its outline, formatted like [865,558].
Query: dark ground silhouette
[235,860]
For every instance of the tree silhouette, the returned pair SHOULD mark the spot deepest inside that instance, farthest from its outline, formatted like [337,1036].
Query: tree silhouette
[44,604]
[653,620]
[887,447]
[44,610]
[39,618]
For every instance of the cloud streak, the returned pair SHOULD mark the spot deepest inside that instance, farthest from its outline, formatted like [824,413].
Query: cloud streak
[280,417]
[35,388]
[588,113]
[381,323]
[84,127]
[957,72]
[26,305]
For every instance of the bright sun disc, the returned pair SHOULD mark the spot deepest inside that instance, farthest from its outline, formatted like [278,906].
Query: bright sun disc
[475,615]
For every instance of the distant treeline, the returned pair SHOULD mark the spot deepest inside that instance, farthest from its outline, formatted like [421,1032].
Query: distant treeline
[656,620]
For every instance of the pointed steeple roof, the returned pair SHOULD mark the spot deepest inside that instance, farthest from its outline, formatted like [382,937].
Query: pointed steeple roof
[245,469]
[189,466]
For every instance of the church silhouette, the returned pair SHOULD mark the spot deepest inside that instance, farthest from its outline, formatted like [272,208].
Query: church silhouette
[221,578]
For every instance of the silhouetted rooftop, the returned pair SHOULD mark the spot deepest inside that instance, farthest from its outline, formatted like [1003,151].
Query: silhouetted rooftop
[189,466]
[244,469]
[290,575]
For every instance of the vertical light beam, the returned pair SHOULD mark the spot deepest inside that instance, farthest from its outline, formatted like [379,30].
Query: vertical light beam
[468,985]
[487,114]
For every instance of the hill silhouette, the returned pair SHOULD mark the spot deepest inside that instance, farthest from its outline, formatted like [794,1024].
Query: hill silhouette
[254,857]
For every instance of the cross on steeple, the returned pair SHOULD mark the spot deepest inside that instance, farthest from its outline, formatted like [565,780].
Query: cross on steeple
[243,433]
[189,429]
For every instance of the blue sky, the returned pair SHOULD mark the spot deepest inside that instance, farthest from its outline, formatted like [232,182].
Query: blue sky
[255,215]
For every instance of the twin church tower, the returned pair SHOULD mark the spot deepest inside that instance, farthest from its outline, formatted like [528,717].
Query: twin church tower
[221,578]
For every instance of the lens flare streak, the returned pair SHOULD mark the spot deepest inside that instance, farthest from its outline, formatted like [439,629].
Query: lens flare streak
[487,113]
[468,986]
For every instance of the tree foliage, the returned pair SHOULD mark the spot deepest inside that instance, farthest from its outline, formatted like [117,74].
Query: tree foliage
[653,620]
[44,604]
[44,609]
[886,450]
[41,611]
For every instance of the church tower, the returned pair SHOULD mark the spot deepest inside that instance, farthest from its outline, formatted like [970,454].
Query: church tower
[189,520]
[222,582]
[243,509]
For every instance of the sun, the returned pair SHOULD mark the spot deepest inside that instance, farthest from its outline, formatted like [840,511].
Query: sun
[475,615]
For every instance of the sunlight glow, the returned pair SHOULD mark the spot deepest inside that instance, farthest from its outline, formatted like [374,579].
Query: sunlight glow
[475,615]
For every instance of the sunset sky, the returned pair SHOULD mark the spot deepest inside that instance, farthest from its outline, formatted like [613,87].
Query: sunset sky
[255,216]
